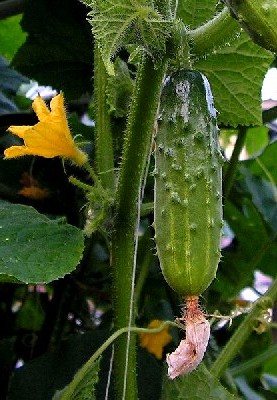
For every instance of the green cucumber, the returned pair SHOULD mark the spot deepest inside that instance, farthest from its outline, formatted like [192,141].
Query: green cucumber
[188,195]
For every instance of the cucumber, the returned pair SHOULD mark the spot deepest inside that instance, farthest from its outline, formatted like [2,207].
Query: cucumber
[188,188]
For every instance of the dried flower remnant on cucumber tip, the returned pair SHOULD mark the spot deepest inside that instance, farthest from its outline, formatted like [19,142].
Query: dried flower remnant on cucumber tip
[191,350]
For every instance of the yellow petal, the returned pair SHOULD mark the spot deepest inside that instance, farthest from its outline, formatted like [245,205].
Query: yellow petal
[57,104]
[17,151]
[58,109]
[58,115]
[19,130]
[47,139]
[40,108]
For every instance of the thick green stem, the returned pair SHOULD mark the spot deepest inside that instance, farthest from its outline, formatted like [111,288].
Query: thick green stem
[232,167]
[258,18]
[136,150]
[244,330]
[213,34]
[104,141]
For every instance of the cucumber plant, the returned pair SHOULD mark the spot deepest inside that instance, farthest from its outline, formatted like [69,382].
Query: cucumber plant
[158,36]
[188,196]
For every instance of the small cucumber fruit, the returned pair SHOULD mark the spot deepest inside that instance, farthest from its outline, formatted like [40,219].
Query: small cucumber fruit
[188,196]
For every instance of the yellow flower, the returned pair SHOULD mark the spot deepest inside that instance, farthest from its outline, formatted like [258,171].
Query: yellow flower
[155,342]
[50,137]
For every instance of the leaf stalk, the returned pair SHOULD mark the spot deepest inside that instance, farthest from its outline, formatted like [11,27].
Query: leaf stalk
[232,167]
[213,34]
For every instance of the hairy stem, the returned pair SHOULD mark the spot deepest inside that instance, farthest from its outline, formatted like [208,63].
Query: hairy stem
[232,167]
[213,34]
[258,18]
[136,150]
[104,141]
[244,330]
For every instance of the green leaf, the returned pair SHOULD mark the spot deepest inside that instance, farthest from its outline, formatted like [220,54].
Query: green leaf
[116,23]
[85,389]
[261,181]
[264,195]
[11,36]
[119,90]
[256,139]
[35,249]
[195,12]
[198,385]
[41,378]
[254,248]
[264,165]
[4,278]
[236,73]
